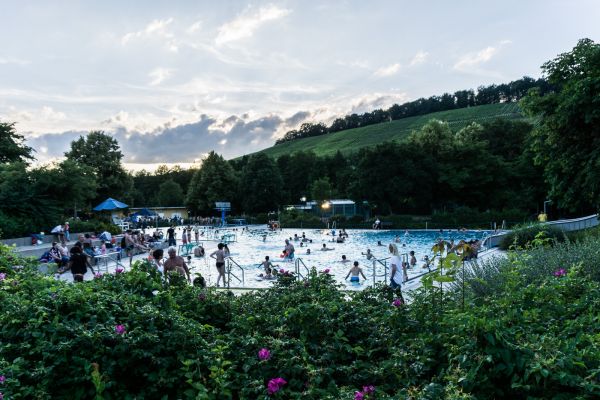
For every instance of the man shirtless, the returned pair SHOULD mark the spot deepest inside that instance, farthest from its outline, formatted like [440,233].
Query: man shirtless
[176,263]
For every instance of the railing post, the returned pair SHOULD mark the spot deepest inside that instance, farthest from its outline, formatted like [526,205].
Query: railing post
[374,271]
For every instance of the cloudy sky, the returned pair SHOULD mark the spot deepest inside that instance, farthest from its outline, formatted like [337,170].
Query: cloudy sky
[174,80]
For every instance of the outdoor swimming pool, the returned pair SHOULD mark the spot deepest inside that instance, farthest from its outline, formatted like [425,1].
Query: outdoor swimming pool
[249,250]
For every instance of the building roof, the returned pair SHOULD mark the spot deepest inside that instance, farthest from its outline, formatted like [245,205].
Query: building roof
[159,208]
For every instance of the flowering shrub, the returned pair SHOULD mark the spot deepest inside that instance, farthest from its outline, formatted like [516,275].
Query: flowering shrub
[264,354]
[120,329]
[275,385]
[397,302]
[135,336]
[560,272]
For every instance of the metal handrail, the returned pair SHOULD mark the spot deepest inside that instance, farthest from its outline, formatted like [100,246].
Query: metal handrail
[382,261]
[230,263]
[297,267]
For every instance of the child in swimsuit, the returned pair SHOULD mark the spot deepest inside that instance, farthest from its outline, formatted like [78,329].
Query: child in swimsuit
[355,271]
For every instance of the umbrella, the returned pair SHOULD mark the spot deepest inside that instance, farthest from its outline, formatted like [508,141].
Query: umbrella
[144,212]
[110,204]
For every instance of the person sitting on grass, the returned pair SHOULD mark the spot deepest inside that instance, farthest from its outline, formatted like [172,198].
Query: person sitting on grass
[355,271]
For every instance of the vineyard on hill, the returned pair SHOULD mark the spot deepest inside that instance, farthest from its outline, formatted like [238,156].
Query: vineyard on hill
[352,140]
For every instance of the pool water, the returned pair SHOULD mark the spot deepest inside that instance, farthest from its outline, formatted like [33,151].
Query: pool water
[252,245]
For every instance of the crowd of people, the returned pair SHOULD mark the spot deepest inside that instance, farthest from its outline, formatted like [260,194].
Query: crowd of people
[83,254]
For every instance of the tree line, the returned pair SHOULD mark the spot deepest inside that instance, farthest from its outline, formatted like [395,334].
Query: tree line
[492,94]
[498,165]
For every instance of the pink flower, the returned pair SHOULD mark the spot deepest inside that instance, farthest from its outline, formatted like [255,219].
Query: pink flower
[1,396]
[264,354]
[98,275]
[120,329]
[282,271]
[368,389]
[396,303]
[201,297]
[2,276]
[275,385]
[2,379]
[359,396]
[119,270]
[560,272]
[325,271]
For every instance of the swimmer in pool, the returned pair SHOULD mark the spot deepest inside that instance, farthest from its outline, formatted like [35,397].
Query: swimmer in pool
[344,259]
[325,248]
[368,254]
[355,271]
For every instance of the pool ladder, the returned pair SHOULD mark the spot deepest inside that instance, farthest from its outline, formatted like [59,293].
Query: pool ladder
[297,266]
[231,264]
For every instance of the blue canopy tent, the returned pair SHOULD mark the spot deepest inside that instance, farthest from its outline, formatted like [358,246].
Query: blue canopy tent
[144,212]
[110,204]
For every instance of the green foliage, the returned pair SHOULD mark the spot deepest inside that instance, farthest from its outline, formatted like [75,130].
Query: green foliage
[321,189]
[260,185]
[352,140]
[12,148]
[533,337]
[93,225]
[566,139]
[214,181]
[101,153]
[170,194]
[525,236]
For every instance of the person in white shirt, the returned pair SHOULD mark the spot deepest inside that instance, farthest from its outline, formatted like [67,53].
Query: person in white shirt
[396,267]
[59,234]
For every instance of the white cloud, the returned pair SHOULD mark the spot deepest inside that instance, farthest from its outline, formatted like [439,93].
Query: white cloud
[159,75]
[155,29]
[470,62]
[419,58]
[247,23]
[388,71]
[194,27]
[13,60]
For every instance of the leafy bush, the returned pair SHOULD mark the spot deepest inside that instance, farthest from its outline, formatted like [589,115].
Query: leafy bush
[131,335]
[93,225]
[523,236]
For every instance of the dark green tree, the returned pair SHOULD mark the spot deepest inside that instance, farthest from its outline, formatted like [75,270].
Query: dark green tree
[12,148]
[321,189]
[68,185]
[214,181]
[102,154]
[261,185]
[170,194]
[566,141]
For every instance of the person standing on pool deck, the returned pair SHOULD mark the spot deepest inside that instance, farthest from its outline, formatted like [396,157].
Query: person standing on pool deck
[219,255]
[355,271]
[171,236]
[396,263]
[79,264]
[176,263]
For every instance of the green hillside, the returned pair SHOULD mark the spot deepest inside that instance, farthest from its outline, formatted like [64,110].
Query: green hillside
[353,139]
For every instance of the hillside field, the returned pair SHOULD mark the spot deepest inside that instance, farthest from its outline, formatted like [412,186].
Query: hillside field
[352,140]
